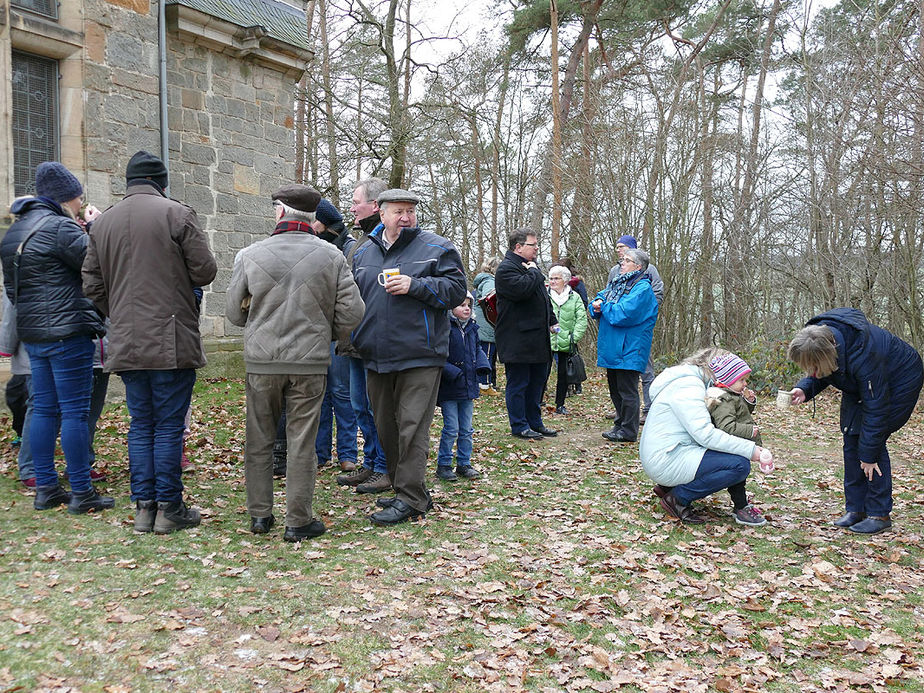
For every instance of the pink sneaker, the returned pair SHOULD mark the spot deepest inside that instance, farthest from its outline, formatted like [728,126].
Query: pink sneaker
[184,462]
[97,476]
[29,483]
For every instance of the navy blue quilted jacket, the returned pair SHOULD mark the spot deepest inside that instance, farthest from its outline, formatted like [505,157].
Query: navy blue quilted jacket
[879,375]
[465,361]
[50,304]
[412,330]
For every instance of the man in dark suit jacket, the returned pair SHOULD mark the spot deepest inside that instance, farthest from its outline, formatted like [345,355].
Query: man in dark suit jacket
[524,319]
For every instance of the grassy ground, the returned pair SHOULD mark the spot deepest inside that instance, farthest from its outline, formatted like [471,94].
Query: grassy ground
[555,571]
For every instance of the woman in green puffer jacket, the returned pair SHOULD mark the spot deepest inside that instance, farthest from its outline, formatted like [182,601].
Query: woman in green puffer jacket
[572,321]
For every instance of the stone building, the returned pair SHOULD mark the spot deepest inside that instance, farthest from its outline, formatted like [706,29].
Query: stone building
[87,86]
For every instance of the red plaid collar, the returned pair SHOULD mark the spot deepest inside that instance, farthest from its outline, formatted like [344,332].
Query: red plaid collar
[291,225]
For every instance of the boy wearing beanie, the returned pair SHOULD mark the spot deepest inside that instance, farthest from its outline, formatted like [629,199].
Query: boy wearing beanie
[730,405]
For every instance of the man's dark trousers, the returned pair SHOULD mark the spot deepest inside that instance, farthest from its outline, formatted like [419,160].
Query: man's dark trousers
[403,403]
[525,384]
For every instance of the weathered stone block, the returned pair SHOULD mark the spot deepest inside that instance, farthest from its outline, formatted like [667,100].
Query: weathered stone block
[139,6]
[200,198]
[268,165]
[202,176]
[148,84]
[246,180]
[194,99]
[127,52]
[244,92]
[223,182]
[236,108]
[198,154]
[95,42]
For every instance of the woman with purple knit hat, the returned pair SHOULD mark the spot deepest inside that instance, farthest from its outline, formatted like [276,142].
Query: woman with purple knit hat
[42,256]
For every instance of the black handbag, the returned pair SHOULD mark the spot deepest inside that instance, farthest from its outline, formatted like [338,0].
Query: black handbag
[574,366]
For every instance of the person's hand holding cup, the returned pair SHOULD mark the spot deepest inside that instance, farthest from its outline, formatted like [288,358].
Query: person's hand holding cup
[394,282]
[766,461]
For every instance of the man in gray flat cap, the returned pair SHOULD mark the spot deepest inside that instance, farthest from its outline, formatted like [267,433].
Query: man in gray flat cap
[409,280]
[293,294]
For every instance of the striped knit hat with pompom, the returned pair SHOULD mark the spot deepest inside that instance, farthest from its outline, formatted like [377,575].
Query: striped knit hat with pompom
[728,368]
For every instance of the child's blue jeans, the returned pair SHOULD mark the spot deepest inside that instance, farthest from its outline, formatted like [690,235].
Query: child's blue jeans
[457,426]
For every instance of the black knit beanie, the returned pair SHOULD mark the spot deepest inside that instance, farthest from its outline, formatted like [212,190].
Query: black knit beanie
[145,165]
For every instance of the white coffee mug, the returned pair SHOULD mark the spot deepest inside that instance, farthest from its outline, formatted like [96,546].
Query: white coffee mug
[386,273]
[784,399]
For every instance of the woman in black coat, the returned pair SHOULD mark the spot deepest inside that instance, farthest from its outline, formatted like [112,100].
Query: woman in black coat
[42,257]
[880,377]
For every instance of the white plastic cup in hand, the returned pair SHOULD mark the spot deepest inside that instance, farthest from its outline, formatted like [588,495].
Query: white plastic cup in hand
[783,399]
[766,461]
[386,273]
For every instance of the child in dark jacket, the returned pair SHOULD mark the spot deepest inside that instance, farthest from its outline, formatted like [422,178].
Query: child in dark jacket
[458,390]
[730,404]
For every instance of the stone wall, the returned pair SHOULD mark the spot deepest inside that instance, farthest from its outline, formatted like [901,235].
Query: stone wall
[231,129]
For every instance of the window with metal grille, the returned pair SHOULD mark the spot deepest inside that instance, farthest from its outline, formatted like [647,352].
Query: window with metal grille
[49,8]
[35,117]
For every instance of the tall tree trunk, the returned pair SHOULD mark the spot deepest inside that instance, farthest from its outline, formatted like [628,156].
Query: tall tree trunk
[332,158]
[301,93]
[556,135]
[496,148]
[544,183]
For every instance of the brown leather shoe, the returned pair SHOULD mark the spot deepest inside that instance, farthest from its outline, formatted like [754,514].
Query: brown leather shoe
[377,483]
[681,512]
[354,478]
[347,465]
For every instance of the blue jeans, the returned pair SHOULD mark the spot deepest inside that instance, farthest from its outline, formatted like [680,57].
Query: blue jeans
[525,384]
[24,460]
[337,404]
[374,455]
[157,402]
[62,376]
[861,495]
[457,426]
[717,471]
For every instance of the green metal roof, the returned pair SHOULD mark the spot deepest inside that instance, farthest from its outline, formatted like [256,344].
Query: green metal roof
[281,21]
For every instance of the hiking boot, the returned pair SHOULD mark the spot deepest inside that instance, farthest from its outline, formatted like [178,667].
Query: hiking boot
[492,392]
[145,510]
[48,497]
[354,478]
[376,483]
[684,513]
[172,517]
[445,473]
[29,483]
[749,515]
[347,465]
[467,471]
[88,501]
[97,476]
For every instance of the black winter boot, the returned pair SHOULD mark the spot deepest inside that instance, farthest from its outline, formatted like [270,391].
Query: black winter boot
[48,497]
[172,517]
[86,501]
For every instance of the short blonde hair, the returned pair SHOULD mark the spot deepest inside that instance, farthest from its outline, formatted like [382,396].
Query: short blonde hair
[814,350]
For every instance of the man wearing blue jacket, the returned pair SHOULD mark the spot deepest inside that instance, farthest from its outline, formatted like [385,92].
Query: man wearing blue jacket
[409,280]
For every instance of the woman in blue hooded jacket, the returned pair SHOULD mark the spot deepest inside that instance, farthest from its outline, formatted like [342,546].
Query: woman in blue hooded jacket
[627,311]
[880,378]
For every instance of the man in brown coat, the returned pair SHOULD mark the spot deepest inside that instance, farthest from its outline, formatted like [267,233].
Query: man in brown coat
[146,256]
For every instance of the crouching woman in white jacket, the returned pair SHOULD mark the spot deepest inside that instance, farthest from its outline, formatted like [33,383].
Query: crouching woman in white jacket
[681,450]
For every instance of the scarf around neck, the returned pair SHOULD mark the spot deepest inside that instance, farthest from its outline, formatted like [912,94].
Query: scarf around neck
[562,298]
[287,225]
[619,287]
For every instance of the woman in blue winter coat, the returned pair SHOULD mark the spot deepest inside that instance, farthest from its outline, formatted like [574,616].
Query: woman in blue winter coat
[457,393]
[627,310]
[880,378]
